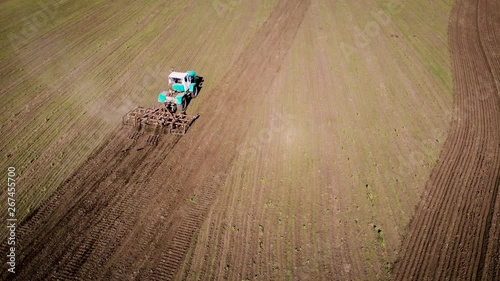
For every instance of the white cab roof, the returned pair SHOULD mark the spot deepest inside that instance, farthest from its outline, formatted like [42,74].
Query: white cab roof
[179,75]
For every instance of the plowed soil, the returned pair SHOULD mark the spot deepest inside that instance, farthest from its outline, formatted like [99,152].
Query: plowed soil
[309,161]
[455,232]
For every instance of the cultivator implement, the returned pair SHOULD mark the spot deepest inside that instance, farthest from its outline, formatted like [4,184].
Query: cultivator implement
[160,119]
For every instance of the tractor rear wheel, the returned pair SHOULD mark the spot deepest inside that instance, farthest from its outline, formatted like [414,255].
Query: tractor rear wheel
[182,107]
[194,93]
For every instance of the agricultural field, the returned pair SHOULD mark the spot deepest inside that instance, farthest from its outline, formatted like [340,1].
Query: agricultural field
[337,140]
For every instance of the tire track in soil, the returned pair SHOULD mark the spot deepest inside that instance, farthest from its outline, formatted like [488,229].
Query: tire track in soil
[91,216]
[452,235]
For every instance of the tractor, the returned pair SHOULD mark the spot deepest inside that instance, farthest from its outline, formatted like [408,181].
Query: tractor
[181,87]
[170,116]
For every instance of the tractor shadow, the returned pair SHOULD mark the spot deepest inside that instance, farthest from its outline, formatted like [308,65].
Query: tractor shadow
[199,82]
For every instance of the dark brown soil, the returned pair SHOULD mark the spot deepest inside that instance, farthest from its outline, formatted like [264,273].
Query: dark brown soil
[455,232]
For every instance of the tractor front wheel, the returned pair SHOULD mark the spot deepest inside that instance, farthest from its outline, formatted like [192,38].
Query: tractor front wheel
[182,107]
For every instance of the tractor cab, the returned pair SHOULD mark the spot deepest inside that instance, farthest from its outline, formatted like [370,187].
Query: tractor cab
[182,81]
[178,81]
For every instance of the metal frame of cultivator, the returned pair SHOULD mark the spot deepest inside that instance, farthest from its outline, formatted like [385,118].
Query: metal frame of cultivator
[160,119]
